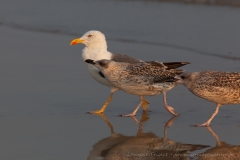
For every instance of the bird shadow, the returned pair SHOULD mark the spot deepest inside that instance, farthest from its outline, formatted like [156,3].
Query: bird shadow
[221,151]
[142,145]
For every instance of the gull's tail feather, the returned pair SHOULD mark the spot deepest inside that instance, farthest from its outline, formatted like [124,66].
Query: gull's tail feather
[179,71]
[168,65]
[173,65]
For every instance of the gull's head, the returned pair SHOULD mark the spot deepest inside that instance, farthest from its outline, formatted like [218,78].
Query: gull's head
[92,39]
[188,79]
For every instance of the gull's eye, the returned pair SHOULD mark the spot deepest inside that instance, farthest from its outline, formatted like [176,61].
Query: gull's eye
[89,35]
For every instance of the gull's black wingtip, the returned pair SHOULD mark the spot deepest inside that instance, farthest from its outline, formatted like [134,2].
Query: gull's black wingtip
[90,61]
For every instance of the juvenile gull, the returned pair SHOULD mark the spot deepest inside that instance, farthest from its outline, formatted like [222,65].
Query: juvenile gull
[142,79]
[215,86]
[96,49]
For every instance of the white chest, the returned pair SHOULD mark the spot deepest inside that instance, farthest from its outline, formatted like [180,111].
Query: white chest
[96,54]
[94,72]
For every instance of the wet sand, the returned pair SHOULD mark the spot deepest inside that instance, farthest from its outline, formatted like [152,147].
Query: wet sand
[46,92]
[235,3]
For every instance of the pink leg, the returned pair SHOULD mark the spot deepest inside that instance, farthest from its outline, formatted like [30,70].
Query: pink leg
[136,109]
[168,108]
[206,124]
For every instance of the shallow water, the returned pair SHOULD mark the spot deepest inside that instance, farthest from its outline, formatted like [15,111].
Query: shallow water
[46,90]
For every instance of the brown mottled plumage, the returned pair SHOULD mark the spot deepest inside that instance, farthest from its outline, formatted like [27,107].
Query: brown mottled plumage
[143,79]
[215,86]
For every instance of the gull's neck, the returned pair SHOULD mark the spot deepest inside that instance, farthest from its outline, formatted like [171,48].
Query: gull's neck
[96,52]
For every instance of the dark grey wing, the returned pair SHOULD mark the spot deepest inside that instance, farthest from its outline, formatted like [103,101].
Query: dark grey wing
[128,59]
[124,58]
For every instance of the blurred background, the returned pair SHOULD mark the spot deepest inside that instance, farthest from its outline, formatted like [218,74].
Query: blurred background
[201,26]
[46,90]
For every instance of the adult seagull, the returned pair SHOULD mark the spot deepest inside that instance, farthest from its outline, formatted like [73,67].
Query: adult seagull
[96,49]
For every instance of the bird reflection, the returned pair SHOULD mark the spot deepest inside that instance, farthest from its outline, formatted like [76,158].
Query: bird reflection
[141,146]
[221,151]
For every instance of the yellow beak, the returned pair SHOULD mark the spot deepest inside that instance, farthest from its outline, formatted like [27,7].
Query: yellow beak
[76,41]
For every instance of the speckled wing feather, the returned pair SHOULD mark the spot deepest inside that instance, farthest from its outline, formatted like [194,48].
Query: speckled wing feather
[124,58]
[121,58]
[154,73]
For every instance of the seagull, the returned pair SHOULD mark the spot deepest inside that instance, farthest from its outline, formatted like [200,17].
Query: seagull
[142,79]
[216,86]
[96,49]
